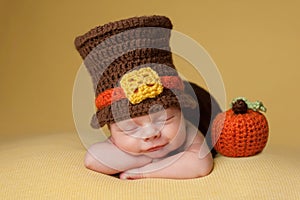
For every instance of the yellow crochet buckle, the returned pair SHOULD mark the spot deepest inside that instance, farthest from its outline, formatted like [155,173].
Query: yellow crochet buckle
[141,84]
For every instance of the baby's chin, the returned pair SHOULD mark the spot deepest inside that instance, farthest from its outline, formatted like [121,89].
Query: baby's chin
[156,154]
[159,153]
[153,154]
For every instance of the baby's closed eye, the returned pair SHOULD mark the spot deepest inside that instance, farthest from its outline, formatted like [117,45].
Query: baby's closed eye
[131,129]
[164,120]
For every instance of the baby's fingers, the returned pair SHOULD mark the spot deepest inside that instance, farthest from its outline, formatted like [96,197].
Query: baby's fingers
[130,176]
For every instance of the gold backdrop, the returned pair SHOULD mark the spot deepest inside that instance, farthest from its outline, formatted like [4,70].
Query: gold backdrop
[255,45]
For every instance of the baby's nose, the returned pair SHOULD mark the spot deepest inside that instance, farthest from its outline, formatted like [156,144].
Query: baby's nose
[151,133]
[152,137]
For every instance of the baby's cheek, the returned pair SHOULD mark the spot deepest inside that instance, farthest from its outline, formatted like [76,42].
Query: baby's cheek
[177,135]
[129,144]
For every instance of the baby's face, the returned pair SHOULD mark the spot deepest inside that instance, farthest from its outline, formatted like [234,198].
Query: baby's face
[154,135]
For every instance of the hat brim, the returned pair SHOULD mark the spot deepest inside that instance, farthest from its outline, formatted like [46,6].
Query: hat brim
[123,109]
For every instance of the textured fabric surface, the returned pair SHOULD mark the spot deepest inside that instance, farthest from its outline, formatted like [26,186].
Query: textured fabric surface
[51,167]
[91,39]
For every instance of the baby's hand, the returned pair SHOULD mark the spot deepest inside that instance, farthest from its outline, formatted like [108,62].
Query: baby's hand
[130,176]
[135,173]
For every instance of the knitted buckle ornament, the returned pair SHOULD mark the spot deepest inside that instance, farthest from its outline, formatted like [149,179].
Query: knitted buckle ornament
[141,84]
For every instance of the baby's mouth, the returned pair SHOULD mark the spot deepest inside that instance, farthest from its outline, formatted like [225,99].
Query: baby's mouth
[156,148]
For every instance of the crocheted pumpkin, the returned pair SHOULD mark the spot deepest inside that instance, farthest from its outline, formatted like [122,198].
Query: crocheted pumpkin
[241,131]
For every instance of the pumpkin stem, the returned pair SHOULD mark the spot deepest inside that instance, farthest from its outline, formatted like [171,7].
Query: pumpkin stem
[240,105]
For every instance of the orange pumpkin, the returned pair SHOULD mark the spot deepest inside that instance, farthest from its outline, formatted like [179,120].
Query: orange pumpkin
[240,131]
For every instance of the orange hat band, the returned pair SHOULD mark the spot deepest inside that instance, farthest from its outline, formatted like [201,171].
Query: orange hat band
[112,95]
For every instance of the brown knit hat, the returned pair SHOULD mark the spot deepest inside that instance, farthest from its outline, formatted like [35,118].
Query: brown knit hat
[132,68]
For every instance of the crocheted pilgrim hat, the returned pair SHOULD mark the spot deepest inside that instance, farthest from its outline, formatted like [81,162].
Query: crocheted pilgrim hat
[132,68]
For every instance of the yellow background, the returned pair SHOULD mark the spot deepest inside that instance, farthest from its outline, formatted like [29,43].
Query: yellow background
[255,45]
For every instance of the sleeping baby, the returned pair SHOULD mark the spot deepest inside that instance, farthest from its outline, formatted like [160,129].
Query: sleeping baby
[152,119]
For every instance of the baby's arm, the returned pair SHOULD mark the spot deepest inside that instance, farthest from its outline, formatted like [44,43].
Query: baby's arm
[188,164]
[106,158]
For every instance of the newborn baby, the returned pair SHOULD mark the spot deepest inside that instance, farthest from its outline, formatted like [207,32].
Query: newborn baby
[140,97]
[159,145]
